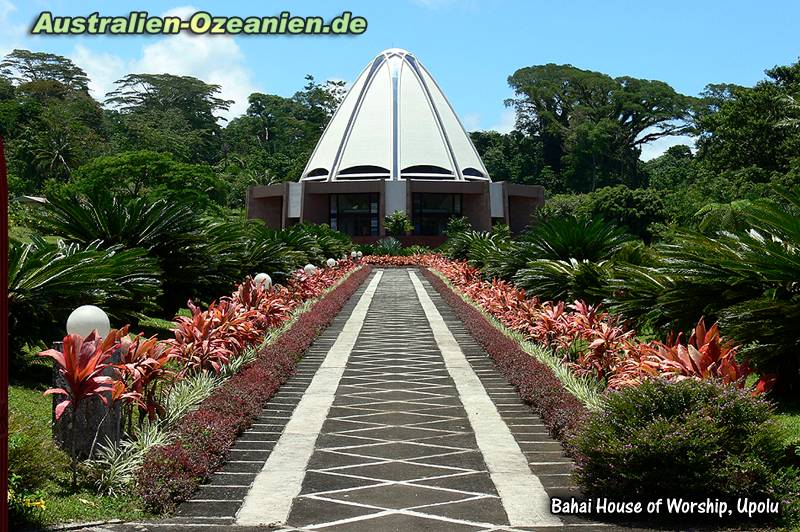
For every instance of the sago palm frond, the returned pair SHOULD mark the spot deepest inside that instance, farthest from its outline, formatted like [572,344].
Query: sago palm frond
[563,280]
[576,238]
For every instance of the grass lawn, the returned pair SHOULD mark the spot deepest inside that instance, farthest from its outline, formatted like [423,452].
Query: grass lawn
[34,453]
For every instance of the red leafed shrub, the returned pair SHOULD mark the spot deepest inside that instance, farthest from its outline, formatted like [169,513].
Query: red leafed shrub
[304,286]
[535,382]
[81,365]
[208,339]
[272,304]
[171,473]
[170,476]
[598,337]
[141,367]
[704,356]
[596,342]
[396,261]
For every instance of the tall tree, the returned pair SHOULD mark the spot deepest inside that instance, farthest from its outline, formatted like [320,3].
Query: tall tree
[148,174]
[741,127]
[591,125]
[52,122]
[510,156]
[24,66]
[197,102]
[274,138]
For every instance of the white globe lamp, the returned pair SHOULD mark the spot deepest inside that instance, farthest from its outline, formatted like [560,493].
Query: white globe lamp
[310,269]
[331,263]
[353,254]
[359,255]
[262,279]
[86,319]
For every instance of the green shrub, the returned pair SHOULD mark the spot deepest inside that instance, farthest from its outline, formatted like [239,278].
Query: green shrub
[688,439]
[592,239]
[398,224]
[457,224]
[416,250]
[388,246]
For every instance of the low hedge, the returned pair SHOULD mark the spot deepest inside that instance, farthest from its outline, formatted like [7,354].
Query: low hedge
[536,384]
[689,439]
[171,473]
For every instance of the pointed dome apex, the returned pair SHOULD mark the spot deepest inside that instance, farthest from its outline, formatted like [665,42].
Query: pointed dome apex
[394,51]
[395,123]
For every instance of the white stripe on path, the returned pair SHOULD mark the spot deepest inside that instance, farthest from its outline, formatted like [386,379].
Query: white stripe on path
[269,501]
[524,498]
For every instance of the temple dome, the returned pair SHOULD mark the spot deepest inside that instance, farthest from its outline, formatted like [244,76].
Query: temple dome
[394,123]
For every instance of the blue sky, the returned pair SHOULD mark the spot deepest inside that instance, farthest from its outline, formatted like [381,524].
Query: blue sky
[470,46]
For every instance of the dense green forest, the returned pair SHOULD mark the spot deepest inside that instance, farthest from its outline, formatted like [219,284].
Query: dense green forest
[579,133]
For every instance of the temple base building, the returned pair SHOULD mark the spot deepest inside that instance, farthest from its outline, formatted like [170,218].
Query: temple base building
[394,144]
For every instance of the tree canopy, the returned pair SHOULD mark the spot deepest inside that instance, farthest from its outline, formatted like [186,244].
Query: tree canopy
[24,66]
[592,126]
[579,133]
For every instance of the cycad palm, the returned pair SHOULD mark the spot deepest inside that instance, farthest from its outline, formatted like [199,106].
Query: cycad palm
[47,281]
[172,233]
[748,279]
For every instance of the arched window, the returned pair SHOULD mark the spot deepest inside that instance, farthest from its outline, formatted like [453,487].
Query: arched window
[317,172]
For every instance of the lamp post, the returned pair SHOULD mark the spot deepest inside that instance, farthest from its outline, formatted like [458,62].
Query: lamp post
[88,318]
[310,269]
[331,263]
[263,279]
[354,255]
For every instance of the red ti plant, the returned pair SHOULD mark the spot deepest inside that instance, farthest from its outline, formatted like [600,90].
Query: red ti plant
[142,365]
[208,339]
[82,365]
[273,304]
[704,356]
[551,323]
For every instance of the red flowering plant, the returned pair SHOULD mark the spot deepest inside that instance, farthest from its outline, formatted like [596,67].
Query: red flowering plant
[172,472]
[396,261]
[304,286]
[594,341]
[273,304]
[82,364]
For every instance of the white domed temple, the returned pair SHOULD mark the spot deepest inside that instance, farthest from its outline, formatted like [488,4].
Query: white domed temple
[394,144]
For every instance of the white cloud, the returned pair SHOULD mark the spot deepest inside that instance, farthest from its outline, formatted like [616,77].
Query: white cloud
[12,35]
[506,122]
[656,148]
[214,59]
[102,68]
[471,121]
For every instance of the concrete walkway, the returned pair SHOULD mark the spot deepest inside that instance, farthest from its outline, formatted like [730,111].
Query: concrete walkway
[396,420]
